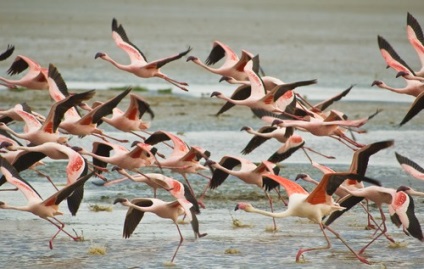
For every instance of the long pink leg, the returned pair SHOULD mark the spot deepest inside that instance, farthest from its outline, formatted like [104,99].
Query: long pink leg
[383,231]
[301,251]
[181,241]
[60,227]
[272,209]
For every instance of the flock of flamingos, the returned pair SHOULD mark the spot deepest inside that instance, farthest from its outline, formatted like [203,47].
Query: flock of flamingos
[283,112]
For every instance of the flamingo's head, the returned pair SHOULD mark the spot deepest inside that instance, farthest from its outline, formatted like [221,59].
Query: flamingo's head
[192,58]
[376,82]
[99,54]
[215,94]
[243,206]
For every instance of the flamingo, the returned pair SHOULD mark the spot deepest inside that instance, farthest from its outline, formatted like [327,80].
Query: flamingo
[138,206]
[248,172]
[244,91]
[399,201]
[265,133]
[259,99]
[413,87]
[35,78]
[313,206]
[140,156]
[330,128]
[130,120]
[139,65]
[46,209]
[410,167]
[87,124]
[233,66]
[75,168]
[6,54]
[183,159]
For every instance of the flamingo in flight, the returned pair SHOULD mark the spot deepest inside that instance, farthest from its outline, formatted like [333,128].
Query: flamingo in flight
[35,78]
[46,209]
[183,159]
[415,37]
[313,206]
[138,206]
[331,128]
[259,98]
[140,155]
[130,120]
[139,65]
[248,172]
[6,54]
[233,66]
[75,168]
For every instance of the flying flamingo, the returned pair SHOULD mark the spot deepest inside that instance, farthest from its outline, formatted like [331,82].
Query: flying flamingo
[138,206]
[244,91]
[140,155]
[331,129]
[35,78]
[139,65]
[265,133]
[75,168]
[259,98]
[6,54]
[313,206]
[46,209]
[130,120]
[232,67]
[248,172]
[183,159]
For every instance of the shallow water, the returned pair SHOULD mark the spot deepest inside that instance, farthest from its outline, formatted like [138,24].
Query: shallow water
[332,41]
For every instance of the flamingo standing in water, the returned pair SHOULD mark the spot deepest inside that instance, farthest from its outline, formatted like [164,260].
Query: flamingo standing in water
[35,78]
[139,65]
[46,209]
[313,206]
[167,210]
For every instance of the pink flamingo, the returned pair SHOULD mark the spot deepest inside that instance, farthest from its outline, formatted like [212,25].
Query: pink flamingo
[46,209]
[139,66]
[130,120]
[75,168]
[313,206]
[414,108]
[383,195]
[183,159]
[140,155]
[35,78]
[248,172]
[167,210]
[233,66]
[330,128]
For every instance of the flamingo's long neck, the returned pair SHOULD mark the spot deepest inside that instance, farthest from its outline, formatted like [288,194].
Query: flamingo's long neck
[210,69]
[283,214]
[116,64]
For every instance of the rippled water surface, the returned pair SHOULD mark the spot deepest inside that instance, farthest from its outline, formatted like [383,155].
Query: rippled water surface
[329,40]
